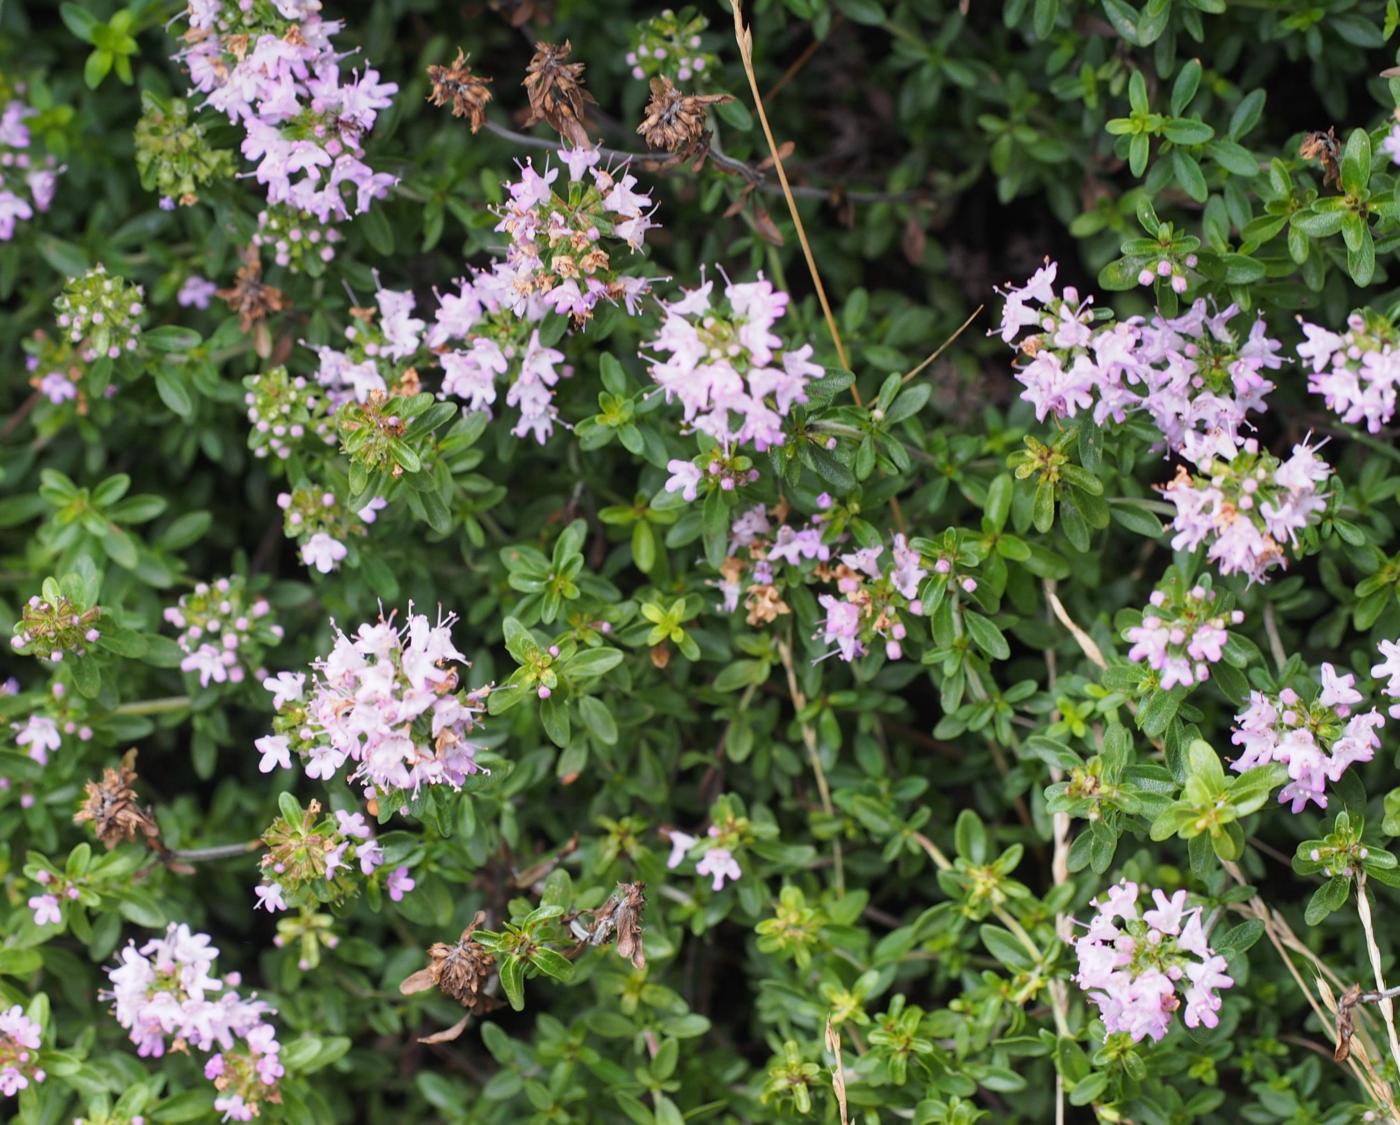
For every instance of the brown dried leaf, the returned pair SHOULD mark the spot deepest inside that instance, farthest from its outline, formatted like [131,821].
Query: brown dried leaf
[914,242]
[449,1034]
[417,982]
[766,228]
[784,151]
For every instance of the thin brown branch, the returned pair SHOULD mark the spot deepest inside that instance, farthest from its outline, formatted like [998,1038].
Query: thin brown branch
[664,162]
[803,59]
[943,347]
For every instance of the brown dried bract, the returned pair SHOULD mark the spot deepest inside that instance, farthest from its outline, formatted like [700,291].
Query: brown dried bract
[458,87]
[556,92]
[249,296]
[675,122]
[1323,147]
[764,605]
[459,971]
[114,808]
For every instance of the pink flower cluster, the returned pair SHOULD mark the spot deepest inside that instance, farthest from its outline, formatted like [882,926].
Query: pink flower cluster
[273,70]
[311,859]
[1356,371]
[756,548]
[322,526]
[558,251]
[1182,634]
[1132,964]
[283,410]
[223,631]
[1247,508]
[386,700]
[100,314]
[298,240]
[725,362]
[165,991]
[55,369]
[41,733]
[1390,669]
[27,180]
[19,1045]
[716,860]
[489,330]
[390,338]
[47,906]
[1191,374]
[1316,740]
[875,589]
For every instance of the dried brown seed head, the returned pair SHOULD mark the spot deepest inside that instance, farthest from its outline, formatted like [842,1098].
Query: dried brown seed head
[114,808]
[556,92]
[460,971]
[675,122]
[458,87]
[249,296]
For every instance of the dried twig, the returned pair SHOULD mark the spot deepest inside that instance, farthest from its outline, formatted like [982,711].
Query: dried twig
[1383,996]
[943,347]
[809,739]
[744,38]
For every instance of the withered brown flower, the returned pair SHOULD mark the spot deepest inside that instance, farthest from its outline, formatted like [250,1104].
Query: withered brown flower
[674,121]
[114,808]
[460,971]
[249,296]
[556,91]
[621,915]
[1324,148]
[458,87]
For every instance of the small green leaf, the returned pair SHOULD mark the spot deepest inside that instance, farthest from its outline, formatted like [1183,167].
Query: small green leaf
[513,982]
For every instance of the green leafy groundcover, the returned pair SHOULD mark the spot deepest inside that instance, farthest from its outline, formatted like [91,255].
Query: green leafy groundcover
[870,597]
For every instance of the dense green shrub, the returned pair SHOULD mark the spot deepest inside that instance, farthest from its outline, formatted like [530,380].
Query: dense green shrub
[576,675]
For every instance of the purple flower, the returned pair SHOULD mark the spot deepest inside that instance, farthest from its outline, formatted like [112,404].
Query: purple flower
[46,910]
[196,292]
[286,687]
[842,626]
[681,843]
[685,478]
[323,552]
[270,897]
[719,863]
[275,751]
[400,883]
[39,734]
